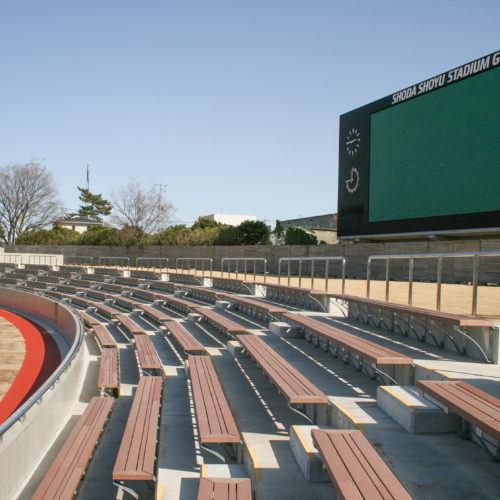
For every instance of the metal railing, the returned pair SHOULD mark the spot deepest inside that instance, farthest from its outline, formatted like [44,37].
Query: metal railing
[10,258]
[439,272]
[189,260]
[312,260]
[114,261]
[245,261]
[78,259]
[144,261]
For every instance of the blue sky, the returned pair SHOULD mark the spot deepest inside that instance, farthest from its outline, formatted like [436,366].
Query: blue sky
[233,105]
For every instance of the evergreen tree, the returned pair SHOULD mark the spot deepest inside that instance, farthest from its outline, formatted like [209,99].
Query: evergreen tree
[93,204]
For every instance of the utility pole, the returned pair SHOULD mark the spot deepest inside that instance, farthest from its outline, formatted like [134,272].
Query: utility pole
[88,176]
[160,210]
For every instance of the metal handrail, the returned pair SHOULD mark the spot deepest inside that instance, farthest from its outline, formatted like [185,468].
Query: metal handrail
[195,260]
[312,260]
[439,256]
[53,379]
[245,260]
[151,259]
[126,259]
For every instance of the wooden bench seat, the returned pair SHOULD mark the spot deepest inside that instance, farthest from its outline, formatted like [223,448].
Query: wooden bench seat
[109,372]
[103,309]
[205,294]
[136,459]
[346,343]
[473,405]
[294,386]
[63,478]
[466,335]
[154,314]
[89,320]
[355,468]
[147,355]
[256,308]
[220,322]
[126,303]
[130,325]
[224,489]
[103,337]
[216,423]
[188,343]
[181,305]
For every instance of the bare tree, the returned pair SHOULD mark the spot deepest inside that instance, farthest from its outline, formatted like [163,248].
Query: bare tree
[141,209]
[28,199]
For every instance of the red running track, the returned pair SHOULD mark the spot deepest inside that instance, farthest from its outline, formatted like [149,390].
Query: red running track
[41,360]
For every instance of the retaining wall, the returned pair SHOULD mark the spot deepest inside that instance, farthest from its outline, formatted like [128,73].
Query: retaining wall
[26,436]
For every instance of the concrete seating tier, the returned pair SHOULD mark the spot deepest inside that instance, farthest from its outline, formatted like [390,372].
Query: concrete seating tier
[164,286]
[148,358]
[136,459]
[216,423]
[130,325]
[355,468]
[109,375]
[205,294]
[111,287]
[81,283]
[63,478]
[296,388]
[368,354]
[256,308]
[221,323]
[47,279]
[185,279]
[474,406]
[224,489]
[103,337]
[154,314]
[466,335]
[123,280]
[188,343]
[94,294]
[68,289]
[142,294]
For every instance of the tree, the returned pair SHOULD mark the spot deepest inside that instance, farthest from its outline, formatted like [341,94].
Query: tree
[93,204]
[28,199]
[140,209]
[298,236]
[254,232]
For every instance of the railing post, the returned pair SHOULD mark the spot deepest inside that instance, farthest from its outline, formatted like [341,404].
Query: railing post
[368,265]
[288,282]
[475,280]
[410,282]
[326,274]
[300,273]
[438,282]
[312,274]
[387,274]
[265,270]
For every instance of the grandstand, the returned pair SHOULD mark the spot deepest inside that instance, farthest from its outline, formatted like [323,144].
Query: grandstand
[245,393]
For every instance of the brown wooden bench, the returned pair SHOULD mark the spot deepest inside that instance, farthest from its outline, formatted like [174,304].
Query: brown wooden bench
[224,489]
[294,386]
[64,476]
[148,358]
[181,305]
[89,320]
[108,381]
[154,314]
[221,323]
[363,353]
[473,406]
[188,343]
[103,337]
[125,302]
[130,325]
[136,459]
[355,468]
[466,335]
[103,309]
[216,423]
[260,310]
[205,294]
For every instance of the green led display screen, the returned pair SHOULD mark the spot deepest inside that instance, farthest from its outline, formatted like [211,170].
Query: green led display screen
[438,154]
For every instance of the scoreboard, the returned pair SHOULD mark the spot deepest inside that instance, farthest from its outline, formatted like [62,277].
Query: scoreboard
[425,159]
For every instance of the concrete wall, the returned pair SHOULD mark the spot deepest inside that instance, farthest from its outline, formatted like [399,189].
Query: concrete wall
[31,258]
[356,254]
[27,434]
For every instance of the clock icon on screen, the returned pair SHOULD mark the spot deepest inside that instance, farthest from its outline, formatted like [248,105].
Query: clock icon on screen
[352,183]
[353,140]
